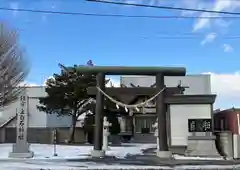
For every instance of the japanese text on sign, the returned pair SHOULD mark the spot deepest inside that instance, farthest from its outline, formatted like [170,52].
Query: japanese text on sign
[199,125]
[21,117]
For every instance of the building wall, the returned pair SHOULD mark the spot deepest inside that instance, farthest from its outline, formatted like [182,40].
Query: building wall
[37,119]
[53,120]
[227,120]
[42,135]
[179,115]
[198,84]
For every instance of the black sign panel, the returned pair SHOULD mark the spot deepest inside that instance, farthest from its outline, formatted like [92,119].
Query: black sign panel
[199,125]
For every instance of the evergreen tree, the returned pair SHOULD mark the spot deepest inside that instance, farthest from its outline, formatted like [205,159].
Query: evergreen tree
[67,95]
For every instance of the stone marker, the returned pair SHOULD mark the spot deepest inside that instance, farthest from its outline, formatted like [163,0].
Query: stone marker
[106,133]
[21,147]
[155,126]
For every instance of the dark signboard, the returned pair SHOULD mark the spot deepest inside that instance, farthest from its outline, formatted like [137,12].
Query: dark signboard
[199,125]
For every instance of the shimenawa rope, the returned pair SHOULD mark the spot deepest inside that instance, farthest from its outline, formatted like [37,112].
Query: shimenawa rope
[130,106]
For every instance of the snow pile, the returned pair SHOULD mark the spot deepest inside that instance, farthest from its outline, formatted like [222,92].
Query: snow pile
[137,149]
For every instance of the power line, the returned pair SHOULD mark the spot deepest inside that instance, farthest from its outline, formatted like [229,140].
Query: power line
[167,7]
[169,36]
[173,35]
[181,37]
[187,37]
[113,15]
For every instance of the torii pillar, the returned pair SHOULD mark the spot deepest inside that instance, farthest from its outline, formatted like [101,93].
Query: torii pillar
[98,130]
[161,111]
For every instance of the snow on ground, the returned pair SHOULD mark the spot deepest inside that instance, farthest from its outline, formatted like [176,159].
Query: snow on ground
[44,159]
[42,151]
[74,166]
[25,165]
[137,149]
[213,167]
[182,157]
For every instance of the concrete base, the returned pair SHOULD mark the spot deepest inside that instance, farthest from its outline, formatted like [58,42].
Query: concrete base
[29,154]
[21,150]
[202,147]
[164,154]
[180,150]
[97,153]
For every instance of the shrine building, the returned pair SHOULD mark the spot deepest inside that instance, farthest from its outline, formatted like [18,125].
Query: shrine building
[180,116]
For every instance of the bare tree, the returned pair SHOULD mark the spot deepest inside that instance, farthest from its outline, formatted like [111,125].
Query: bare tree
[13,65]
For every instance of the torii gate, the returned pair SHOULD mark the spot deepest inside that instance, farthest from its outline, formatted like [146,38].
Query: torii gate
[159,72]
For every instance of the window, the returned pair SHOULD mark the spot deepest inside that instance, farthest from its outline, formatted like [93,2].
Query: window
[222,127]
[143,124]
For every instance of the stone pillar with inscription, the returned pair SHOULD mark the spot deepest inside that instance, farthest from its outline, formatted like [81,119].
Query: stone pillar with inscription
[21,147]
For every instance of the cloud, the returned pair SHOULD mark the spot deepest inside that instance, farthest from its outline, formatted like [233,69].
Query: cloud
[113,82]
[209,38]
[204,22]
[227,88]
[218,5]
[227,48]
[27,84]
[15,6]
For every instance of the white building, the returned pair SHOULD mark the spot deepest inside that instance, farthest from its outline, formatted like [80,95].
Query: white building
[37,119]
[178,114]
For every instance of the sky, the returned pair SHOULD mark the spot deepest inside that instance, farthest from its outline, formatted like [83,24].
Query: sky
[50,39]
